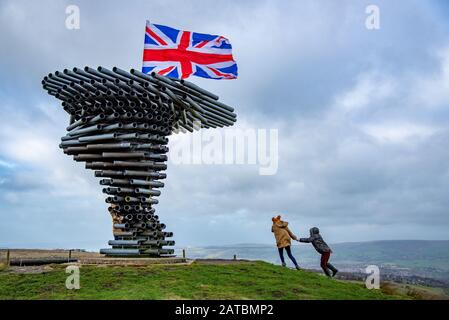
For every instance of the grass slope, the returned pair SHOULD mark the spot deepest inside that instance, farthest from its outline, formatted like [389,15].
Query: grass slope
[255,280]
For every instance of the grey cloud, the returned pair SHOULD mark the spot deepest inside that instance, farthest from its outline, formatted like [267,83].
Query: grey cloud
[362,119]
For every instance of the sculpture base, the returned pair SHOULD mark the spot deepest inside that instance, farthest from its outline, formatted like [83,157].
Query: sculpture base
[131,261]
[126,252]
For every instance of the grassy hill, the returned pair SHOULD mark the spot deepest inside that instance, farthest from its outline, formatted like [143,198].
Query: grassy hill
[199,280]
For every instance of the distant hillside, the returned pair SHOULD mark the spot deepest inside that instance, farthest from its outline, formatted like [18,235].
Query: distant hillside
[398,257]
[411,253]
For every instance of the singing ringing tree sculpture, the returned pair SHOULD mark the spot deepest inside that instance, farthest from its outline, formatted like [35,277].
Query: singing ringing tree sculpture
[119,126]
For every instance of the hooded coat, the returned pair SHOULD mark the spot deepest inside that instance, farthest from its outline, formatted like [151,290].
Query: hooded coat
[282,234]
[317,241]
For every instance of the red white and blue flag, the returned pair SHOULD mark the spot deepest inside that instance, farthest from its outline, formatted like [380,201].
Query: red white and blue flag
[180,54]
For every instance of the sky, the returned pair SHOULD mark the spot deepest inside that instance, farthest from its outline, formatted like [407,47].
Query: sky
[362,119]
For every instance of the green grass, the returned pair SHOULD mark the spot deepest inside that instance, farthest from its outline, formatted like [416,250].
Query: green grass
[258,280]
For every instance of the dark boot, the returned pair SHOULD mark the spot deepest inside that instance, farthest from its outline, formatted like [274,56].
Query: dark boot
[327,272]
[333,269]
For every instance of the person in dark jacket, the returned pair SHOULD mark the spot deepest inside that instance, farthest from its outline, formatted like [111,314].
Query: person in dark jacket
[321,246]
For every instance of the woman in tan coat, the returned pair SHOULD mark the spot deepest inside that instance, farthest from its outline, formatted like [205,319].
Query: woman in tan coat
[283,237]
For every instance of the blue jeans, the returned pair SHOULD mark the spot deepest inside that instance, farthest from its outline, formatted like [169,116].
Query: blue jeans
[289,253]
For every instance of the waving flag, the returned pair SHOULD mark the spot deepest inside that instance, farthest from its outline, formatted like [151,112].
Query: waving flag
[180,54]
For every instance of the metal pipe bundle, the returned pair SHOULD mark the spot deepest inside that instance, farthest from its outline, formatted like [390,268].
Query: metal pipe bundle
[119,126]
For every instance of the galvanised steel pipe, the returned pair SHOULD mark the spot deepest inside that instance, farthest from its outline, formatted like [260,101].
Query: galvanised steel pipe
[108,146]
[120,252]
[152,243]
[124,242]
[125,234]
[147,192]
[129,217]
[77,123]
[114,182]
[100,137]
[141,164]
[155,184]
[121,225]
[140,225]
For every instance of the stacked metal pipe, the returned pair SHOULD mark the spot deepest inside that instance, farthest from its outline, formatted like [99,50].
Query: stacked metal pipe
[119,126]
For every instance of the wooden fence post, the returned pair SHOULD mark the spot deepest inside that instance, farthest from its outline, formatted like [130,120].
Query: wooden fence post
[8,259]
[70,255]
[183,253]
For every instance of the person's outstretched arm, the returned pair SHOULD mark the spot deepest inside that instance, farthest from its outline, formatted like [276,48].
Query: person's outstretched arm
[291,234]
[307,240]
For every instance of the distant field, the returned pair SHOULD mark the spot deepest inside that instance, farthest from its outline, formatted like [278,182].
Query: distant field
[38,253]
[252,280]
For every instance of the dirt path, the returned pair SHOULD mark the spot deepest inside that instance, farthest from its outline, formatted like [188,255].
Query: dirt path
[38,253]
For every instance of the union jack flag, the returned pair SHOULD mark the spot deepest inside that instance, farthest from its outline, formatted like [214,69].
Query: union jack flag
[180,54]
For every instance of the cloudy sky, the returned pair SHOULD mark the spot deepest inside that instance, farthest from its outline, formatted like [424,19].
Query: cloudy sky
[362,117]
